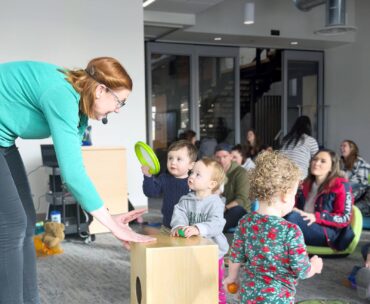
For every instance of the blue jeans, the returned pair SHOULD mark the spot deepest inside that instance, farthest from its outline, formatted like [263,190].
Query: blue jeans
[18,280]
[232,217]
[314,234]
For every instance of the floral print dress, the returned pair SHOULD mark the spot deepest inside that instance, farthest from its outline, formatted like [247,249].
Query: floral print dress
[273,254]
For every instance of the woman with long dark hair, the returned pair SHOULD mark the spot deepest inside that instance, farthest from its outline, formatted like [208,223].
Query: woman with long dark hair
[298,145]
[252,144]
[355,167]
[324,203]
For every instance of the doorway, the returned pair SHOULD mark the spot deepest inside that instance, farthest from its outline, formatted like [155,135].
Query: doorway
[191,87]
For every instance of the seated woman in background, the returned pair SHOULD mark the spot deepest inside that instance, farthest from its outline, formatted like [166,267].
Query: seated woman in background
[236,189]
[252,144]
[298,145]
[189,135]
[239,156]
[324,204]
[355,167]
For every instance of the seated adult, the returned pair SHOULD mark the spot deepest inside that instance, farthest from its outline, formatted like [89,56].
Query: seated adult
[189,135]
[207,147]
[252,144]
[239,156]
[323,207]
[298,145]
[356,168]
[236,189]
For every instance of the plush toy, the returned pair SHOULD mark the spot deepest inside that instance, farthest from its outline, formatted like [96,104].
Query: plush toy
[54,234]
[49,242]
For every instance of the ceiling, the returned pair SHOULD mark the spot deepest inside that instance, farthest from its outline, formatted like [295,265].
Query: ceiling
[182,6]
[175,31]
[156,31]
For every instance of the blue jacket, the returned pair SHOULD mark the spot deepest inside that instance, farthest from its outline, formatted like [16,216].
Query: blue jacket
[168,186]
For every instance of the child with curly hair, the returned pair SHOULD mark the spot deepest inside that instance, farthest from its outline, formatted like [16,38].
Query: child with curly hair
[271,249]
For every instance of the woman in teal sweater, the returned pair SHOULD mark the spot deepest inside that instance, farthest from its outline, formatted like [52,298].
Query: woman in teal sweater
[38,100]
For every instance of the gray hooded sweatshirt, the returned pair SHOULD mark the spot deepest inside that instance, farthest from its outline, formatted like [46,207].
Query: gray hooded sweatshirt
[207,214]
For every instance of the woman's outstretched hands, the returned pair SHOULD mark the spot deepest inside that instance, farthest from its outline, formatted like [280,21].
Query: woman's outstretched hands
[125,218]
[125,233]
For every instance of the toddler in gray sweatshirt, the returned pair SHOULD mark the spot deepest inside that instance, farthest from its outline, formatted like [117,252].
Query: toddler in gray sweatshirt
[201,212]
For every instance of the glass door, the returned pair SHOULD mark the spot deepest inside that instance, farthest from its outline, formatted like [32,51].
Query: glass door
[170,98]
[191,87]
[218,102]
[303,90]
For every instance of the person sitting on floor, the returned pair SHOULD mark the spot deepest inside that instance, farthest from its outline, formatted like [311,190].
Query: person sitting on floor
[238,153]
[324,204]
[252,144]
[355,167]
[298,145]
[236,189]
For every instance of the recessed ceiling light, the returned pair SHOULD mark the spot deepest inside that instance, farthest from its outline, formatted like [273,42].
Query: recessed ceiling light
[248,13]
[217,38]
[147,2]
[294,42]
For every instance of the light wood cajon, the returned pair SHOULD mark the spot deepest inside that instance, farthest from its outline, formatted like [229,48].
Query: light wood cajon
[174,270]
[106,166]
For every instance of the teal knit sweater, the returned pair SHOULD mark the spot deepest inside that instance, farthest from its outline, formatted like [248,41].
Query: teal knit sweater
[35,102]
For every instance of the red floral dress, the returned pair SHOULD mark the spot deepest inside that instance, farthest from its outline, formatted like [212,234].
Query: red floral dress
[274,256]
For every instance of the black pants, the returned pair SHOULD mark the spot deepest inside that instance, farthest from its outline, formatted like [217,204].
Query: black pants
[232,217]
[18,280]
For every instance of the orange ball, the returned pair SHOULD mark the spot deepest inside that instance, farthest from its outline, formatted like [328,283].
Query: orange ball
[232,288]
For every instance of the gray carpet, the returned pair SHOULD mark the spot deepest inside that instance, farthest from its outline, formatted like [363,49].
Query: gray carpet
[99,273]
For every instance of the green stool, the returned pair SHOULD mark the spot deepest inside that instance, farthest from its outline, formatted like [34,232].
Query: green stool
[356,225]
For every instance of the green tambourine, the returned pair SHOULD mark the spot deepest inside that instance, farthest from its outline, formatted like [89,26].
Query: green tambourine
[147,157]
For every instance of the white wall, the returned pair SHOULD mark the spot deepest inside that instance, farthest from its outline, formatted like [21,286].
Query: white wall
[69,33]
[347,87]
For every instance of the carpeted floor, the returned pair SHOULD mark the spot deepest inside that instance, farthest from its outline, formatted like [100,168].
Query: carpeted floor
[99,273]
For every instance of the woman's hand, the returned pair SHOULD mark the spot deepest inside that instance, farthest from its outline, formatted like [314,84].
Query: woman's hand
[308,217]
[117,224]
[127,235]
[125,218]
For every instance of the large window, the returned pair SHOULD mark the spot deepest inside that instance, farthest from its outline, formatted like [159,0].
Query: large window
[191,87]
[221,92]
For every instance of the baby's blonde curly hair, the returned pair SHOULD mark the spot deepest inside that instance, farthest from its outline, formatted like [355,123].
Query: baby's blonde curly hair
[274,174]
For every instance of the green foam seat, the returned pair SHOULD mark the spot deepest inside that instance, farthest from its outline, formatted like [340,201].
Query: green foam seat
[356,224]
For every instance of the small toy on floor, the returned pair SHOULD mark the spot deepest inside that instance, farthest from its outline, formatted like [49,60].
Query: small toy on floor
[48,243]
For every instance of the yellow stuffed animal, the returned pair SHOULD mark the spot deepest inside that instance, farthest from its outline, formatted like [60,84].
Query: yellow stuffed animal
[54,234]
[49,242]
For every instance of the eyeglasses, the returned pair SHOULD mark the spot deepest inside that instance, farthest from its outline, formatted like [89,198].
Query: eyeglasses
[120,103]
